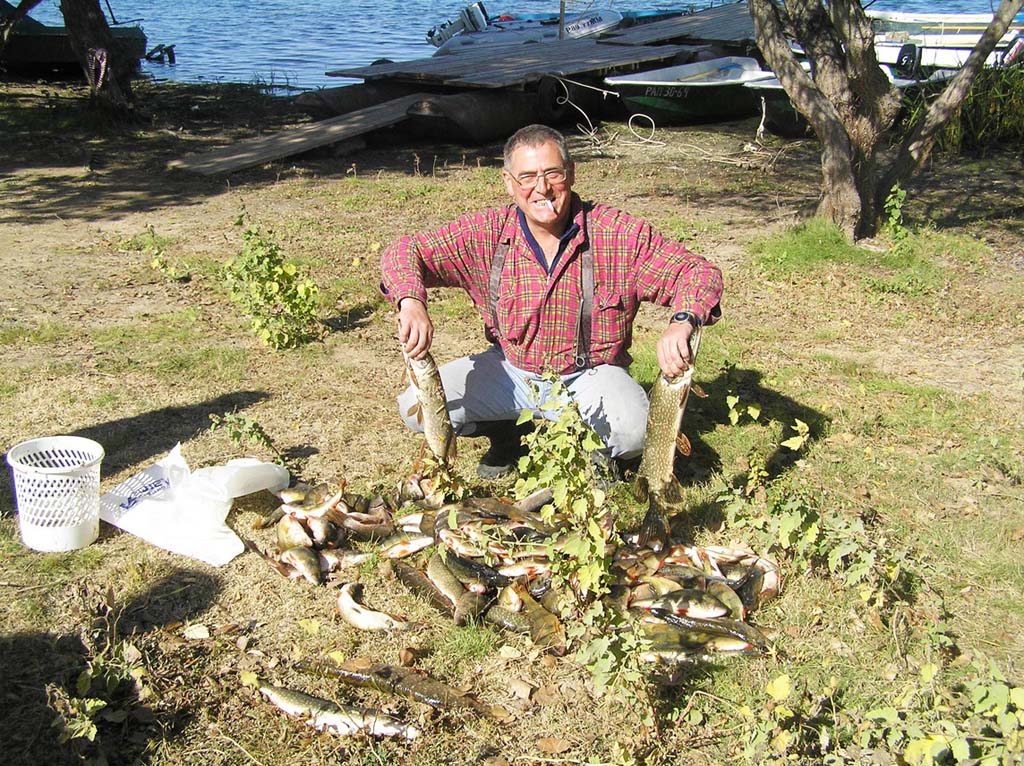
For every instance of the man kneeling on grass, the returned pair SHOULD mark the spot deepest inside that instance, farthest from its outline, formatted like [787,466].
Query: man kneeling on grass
[558,282]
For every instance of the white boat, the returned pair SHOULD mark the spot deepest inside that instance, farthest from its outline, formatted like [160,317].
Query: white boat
[521,31]
[942,40]
[781,118]
[704,91]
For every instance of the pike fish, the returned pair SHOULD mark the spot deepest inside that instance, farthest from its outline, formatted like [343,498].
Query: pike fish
[655,480]
[324,715]
[394,679]
[431,408]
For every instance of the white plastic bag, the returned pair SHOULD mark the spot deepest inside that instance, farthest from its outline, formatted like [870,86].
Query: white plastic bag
[183,511]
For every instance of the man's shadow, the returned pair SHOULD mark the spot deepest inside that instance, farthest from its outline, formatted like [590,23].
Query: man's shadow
[41,671]
[705,415]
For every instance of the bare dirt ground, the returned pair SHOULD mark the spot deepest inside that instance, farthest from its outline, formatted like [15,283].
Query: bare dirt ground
[98,343]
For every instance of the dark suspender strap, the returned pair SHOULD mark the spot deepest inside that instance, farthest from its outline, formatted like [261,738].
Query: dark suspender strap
[586,307]
[497,264]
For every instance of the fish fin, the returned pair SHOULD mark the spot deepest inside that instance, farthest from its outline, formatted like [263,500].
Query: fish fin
[641,488]
[417,466]
[683,445]
[654,530]
[417,410]
[698,391]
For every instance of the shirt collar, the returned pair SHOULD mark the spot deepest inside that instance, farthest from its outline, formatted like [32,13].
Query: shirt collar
[563,241]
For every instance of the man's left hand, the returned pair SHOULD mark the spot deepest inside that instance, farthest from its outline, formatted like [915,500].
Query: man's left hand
[674,349]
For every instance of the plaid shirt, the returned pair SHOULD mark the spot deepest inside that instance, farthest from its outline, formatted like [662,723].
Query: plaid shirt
[538,312]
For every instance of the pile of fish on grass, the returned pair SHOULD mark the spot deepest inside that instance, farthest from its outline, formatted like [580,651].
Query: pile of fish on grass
[486,559]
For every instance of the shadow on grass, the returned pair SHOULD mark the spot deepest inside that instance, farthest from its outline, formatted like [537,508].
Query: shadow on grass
[42,671]
[137,440]
[357,316]
[705,415]
[64,160]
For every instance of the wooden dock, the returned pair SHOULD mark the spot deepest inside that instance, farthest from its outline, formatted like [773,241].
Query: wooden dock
[729,25]
[516,65]
[254,151]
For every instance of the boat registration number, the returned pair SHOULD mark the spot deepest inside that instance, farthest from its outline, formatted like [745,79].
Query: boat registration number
[666,91]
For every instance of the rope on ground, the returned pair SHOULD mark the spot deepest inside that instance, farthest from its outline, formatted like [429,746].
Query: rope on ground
[589,130]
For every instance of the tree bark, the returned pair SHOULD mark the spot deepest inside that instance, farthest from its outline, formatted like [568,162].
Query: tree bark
[850,103]
[107,68]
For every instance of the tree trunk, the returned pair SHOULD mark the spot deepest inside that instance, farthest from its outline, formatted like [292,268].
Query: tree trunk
[107,68]
[849,102]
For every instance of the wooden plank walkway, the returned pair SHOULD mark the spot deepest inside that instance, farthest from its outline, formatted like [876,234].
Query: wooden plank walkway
[725,24]
[254,151]
[515,65]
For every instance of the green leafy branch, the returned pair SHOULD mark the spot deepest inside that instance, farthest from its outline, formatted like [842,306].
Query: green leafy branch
[280,300]
[559,458]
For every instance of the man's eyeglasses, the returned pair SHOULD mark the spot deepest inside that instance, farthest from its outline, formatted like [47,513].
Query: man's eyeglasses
[551,175]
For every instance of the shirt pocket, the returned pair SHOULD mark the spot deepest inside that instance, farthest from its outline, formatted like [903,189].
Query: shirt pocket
[513,318]
[610,323]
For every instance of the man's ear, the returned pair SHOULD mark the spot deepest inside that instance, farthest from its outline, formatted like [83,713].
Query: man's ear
[570,173]
[509,183]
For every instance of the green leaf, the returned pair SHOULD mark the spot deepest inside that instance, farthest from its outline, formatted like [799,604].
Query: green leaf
[928,672]
[84,683]
[887,715]
[248,678]
[779,688]
[524,417]
[961,749]
[1017,697]
[311,626]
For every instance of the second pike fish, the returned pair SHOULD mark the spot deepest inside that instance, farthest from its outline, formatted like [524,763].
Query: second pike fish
[431,408]
[656,481]
[324,715]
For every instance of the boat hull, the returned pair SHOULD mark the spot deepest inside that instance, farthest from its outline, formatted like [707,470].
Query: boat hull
[705,91]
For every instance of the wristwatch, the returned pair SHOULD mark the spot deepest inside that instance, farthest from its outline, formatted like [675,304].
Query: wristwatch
[685,316]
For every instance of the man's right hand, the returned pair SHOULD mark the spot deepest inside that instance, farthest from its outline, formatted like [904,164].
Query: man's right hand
[415,330]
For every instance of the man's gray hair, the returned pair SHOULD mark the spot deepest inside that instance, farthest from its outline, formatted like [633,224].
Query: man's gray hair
[536,135]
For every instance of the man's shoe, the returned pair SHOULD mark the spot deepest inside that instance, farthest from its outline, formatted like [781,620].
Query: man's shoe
[505,450]
[608,470]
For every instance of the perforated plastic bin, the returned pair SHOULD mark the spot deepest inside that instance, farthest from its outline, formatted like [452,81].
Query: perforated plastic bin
[57,487]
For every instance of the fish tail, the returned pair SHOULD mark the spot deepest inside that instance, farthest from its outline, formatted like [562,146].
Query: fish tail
[654,530]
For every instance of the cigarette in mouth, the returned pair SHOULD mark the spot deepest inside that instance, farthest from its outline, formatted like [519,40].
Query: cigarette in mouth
[551,205]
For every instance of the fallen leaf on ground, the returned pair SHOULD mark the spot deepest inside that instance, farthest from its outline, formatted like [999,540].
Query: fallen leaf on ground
[553,745]
[196,632]
[520,688]
[547,695]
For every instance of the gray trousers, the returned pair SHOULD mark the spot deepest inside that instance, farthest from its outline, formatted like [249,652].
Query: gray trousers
[486,387]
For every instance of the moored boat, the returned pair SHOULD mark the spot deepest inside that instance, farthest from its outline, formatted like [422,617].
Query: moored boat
[703,91]
[783,119]
[943,40]
[35,46]
[521,31]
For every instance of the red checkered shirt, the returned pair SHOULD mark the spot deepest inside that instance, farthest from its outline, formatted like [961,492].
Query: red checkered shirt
[537,312]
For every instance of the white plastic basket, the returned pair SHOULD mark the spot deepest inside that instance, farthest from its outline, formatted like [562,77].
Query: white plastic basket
[57,488]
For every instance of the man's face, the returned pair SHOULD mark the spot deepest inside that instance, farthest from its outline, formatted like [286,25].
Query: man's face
[544,199]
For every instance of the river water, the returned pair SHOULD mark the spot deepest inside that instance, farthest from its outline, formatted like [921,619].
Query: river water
[293,44]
